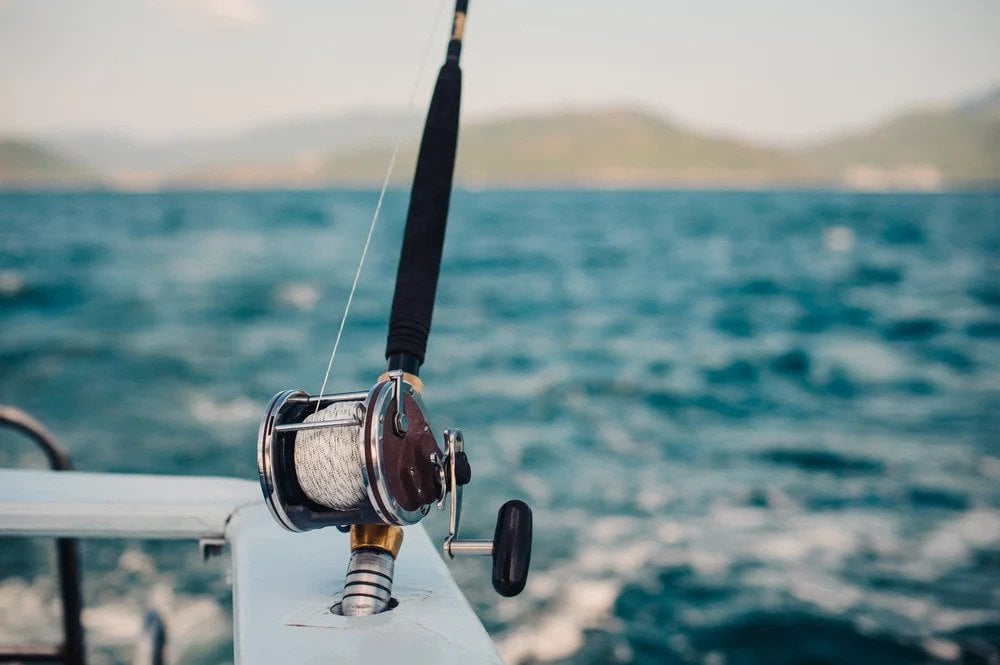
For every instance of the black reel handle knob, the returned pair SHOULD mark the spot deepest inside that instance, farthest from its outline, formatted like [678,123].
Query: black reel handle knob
[512,548]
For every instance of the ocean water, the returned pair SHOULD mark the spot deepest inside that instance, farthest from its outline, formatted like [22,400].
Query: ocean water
[754,427]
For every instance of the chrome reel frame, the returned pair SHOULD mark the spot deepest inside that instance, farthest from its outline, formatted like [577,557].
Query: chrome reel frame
[284,417]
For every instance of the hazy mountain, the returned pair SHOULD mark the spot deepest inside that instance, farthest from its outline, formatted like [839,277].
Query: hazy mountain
[30,165]
[958,146]
[619,147]
[923,149]
[287,140]
[986,104]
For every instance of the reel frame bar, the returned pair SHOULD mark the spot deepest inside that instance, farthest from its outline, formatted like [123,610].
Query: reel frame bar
[318,424]
[330,398]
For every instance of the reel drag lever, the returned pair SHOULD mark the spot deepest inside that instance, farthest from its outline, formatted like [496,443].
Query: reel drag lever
[511,544]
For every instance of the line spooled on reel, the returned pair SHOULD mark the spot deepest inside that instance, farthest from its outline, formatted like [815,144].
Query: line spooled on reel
[369,460]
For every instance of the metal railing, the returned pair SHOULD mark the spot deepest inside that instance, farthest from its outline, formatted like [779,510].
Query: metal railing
[71,651]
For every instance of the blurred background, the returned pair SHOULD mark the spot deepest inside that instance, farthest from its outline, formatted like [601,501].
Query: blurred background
[735,270]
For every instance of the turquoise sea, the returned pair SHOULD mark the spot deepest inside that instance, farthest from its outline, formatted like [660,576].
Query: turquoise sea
[754,427]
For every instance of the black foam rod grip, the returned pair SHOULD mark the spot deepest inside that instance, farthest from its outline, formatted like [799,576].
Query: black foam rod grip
[512,548]
[423,239]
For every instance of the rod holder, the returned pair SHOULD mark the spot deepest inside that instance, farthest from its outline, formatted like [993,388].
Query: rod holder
[368,585]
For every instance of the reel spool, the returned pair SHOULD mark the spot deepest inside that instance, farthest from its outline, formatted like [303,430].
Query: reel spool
[359,458]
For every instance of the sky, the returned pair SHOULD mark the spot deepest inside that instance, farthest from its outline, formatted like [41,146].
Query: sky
[782,71]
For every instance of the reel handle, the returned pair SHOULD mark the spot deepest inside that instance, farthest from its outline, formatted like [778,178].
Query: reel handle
[512,548]
[511,544]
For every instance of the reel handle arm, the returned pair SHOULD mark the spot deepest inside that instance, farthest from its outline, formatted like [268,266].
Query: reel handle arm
[511,544]
[510,547]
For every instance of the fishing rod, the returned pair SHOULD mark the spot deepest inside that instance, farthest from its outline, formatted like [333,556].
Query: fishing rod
[427,217]
[368,461]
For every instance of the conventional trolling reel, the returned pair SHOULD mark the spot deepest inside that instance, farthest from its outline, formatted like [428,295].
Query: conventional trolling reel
[371,458]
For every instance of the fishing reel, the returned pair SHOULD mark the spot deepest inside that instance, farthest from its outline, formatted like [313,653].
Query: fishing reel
[370,458]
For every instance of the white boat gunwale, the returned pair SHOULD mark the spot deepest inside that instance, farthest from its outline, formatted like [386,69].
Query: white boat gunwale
[284,584]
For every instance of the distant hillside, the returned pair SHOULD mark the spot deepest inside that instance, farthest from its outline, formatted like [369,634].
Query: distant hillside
[948,147]
[30,165]
[986,104]
[602,148]
[288,140]
[608,148]
[611,148]
[925,150]
[920,150]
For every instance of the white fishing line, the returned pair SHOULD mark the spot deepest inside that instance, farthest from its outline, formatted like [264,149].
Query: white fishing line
[381,197]
[328,460]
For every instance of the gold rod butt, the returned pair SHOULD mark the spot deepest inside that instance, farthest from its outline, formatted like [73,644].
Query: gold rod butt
[378,536]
